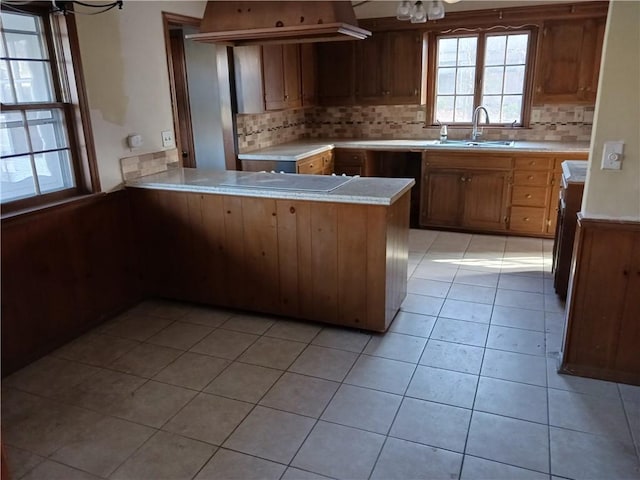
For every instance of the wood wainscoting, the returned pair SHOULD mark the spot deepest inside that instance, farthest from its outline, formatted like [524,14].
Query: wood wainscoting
[602,337]
[64,270]
[332,262]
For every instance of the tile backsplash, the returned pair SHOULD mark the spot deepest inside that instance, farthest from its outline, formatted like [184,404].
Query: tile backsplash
[262,130]
[149,163]
[567,123]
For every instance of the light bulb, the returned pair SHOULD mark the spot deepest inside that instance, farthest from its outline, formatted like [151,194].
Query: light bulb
[418,13]
[403,11]
[436,10]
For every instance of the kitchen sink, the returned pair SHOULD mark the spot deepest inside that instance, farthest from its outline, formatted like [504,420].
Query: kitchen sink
[476,143]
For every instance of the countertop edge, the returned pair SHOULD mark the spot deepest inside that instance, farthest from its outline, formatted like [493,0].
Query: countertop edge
[257,155]
[279,194]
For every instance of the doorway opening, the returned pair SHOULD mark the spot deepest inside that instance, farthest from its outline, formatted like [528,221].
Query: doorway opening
[199,89]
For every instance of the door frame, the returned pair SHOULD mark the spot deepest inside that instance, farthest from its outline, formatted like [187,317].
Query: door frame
[226,84]
[170,20]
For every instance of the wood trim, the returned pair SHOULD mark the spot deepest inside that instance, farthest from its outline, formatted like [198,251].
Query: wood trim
[608,222]
[92,182]
[228,105]
[503,16]
[70,202]
[169,19]
[180,87]
[530,70]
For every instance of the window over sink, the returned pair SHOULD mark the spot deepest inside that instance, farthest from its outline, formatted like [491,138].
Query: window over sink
[491,69]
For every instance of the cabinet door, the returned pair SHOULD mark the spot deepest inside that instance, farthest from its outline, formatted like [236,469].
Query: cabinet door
[308,73]
[291,64]
[273,76]
[485,200]
[442,197]
[403,67]
[371,68]
[569,61]
[336,73]
[281,76]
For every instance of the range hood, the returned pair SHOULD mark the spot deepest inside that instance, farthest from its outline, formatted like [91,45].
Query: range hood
[264,22]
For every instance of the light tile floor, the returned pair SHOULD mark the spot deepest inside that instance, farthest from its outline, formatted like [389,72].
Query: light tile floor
[462,386]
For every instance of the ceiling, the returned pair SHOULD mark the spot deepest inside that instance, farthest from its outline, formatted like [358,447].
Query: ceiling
[381,8]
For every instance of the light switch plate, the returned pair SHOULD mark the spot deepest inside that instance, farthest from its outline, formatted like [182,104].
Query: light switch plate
[612,155]
[167,138]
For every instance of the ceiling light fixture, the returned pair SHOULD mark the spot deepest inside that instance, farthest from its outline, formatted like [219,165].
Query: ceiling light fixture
[418,13]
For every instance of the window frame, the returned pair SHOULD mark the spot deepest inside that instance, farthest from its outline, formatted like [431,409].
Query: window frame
[63,49]
[481,34]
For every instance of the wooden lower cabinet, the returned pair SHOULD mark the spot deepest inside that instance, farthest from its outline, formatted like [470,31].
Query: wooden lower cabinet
[442,195]
[330,262]
[355,162]
[602,332]
[466,196]
[320,164]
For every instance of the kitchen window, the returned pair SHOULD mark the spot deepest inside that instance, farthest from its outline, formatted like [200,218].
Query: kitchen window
[40,161]
[488,69]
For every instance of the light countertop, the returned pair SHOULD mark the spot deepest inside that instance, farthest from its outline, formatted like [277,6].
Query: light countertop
[287,186]
[299,149]
[574,171]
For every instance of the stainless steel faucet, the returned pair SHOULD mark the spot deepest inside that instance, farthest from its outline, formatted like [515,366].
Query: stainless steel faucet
[475,132]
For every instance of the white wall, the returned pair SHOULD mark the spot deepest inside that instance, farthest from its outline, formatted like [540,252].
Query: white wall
[125,69]
[612,193]
[204,100]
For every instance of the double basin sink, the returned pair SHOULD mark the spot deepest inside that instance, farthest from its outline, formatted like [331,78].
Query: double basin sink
[476,143]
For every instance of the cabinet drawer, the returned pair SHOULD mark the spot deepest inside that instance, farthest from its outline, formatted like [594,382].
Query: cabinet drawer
[476,161]
[530,178]
[534,163]
[312,166]
[527,219]
[529,196]
[350,157]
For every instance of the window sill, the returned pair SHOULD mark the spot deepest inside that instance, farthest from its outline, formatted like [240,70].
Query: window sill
[71,202]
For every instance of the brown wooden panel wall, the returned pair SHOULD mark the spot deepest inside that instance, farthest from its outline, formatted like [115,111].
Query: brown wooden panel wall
[603,321]
[64,270]
[329,262]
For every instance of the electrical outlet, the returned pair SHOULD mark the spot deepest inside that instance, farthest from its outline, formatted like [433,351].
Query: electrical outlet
[167,138]
[421,116]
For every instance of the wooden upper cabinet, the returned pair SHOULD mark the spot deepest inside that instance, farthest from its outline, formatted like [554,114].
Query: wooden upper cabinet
[308,74]
[389,67]
[281,76]
[370,85]
[568,61]
[336,73]
[404,67]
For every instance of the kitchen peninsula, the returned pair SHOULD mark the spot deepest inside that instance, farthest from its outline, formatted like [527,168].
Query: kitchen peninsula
[324,248]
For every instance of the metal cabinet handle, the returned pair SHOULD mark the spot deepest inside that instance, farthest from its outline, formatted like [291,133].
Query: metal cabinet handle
[528,195]
[462,179]
[526,219]
[530,177]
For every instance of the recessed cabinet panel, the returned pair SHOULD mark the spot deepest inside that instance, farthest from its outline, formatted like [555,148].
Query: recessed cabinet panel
[336,73]
[485,204]
[569,61]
